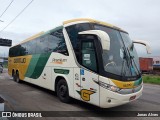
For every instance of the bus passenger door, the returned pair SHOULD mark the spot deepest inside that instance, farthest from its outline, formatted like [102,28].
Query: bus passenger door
[88,73]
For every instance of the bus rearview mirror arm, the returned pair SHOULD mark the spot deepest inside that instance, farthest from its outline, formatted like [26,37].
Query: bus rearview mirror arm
[148,48]
[104,37]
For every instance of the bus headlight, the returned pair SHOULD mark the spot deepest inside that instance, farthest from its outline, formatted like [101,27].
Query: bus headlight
[109,87]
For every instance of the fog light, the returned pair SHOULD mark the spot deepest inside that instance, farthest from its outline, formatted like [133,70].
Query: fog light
[109,100]
[132,97]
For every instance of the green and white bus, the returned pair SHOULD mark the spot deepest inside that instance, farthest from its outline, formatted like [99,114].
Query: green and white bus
[85,59]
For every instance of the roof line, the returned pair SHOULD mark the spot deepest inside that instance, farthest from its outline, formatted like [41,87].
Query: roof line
[86,19]
[32,37]
[93,21]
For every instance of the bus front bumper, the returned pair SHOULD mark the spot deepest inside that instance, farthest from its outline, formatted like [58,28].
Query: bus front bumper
[111,99]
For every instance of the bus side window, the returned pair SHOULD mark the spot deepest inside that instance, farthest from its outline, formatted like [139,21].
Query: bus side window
[24,49]
[56,42]
[42,45]
[31,47]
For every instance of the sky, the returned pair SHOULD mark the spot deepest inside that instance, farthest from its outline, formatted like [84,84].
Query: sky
[140,18]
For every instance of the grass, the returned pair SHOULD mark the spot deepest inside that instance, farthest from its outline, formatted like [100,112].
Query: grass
[153,79]
[5,65]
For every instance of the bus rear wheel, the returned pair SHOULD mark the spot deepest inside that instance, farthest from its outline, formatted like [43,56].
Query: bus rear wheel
[62,91]
[16,77]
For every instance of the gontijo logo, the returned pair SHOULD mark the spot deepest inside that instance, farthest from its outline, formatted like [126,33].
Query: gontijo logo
[126,85]
[20,60]
[85,94]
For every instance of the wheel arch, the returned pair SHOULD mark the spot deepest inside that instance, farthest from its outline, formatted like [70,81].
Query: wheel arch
[17,71]
[59,77]
[13,71]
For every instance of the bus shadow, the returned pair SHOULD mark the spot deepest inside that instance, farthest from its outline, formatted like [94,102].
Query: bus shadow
[50,92]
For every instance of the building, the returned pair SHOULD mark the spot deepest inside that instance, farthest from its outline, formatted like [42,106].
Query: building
[156,60]
[156,63]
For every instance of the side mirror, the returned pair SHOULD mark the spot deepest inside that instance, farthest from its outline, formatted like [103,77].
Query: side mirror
[148,49]
[104,37]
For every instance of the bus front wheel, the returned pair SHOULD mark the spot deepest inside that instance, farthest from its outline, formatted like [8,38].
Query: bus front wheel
[62,91]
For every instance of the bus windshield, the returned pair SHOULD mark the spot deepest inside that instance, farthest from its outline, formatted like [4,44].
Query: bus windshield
[120,59]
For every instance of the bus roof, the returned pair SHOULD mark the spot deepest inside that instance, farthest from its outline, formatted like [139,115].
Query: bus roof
[69,22]
[92,21]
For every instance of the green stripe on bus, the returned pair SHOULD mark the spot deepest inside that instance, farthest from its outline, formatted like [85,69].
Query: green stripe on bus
[32,65]
[138,82]
[61,71]
[40,65]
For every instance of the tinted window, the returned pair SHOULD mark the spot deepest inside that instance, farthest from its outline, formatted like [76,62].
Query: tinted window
[52,42]
[31,47]
[42,44]
[24,50]
[11,52]
[19,50]
[14,51]
[56,42]
[73,32]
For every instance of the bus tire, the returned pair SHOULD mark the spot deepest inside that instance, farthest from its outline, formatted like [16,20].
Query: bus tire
[17,78]
[62,91]
[14,75]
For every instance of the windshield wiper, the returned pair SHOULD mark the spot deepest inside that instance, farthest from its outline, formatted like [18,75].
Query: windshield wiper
[125,62]
[131,59]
